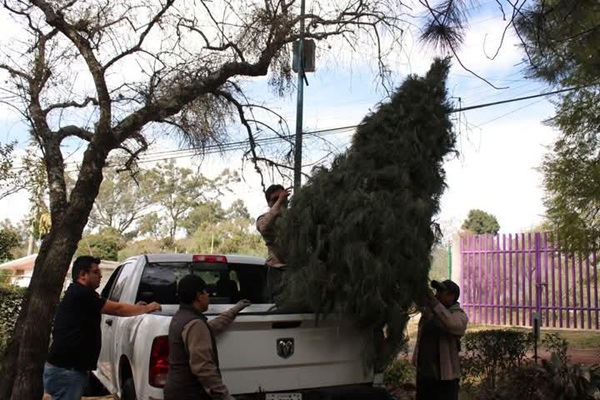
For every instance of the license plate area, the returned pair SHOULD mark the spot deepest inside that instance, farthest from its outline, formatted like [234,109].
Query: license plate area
[283,396]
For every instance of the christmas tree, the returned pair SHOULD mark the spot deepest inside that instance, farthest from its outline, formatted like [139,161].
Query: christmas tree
[358,235]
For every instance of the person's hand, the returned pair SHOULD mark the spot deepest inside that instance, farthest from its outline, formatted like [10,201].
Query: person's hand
[283,195]
[430,295]
[240,305]
[426,313]
[141,303]
[154,306]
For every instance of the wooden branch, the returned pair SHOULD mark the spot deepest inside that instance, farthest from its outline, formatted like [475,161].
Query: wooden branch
[251,106]
[56,19]
[41,75]
[15,72]
[272,163]
[244,122]
[138,45]
[208,46]
[72,130]
[68,104]
[172,102]
[133,155]
[237,49]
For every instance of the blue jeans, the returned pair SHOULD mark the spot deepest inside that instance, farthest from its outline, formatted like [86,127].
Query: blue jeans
[64,384]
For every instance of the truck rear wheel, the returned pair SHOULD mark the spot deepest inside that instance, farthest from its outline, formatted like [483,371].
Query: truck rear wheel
[128,390]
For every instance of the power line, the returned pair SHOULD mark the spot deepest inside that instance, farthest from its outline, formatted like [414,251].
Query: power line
[242,144]
[512,100]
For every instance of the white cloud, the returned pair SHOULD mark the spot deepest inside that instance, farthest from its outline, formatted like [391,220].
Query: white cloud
[497,172]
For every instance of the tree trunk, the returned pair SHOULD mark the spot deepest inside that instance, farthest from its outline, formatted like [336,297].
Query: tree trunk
[21,369]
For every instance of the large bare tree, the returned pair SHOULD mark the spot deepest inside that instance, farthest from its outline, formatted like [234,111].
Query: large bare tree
[101,74]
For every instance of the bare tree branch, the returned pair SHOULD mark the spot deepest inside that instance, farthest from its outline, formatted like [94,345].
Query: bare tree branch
[209,46]
[516,11]
[251,139]
[56,20]
[72,130]
[15,72]
[67,104]
[138,46]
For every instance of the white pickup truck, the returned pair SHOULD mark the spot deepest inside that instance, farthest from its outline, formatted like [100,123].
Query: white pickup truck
[264,355]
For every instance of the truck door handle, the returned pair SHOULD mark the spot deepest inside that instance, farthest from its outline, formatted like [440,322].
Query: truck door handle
[108,322]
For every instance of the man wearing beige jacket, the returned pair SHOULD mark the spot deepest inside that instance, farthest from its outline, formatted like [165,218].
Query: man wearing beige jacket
[442,325]
[194,372]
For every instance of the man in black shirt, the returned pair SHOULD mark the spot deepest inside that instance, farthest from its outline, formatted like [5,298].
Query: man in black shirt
[76,335]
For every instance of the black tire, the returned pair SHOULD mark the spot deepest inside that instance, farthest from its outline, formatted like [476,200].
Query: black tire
[128,390]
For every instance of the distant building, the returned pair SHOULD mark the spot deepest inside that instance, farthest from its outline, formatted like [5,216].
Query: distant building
[22,269]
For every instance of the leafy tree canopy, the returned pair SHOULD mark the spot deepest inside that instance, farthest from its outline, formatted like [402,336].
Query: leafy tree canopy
[104,245]
[481,222]
[123,199]
[10,179]
[9,240]
[562,39]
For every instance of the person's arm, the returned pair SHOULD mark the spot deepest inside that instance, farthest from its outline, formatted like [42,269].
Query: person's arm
[454,323]
[222,322]
[197,340]
[128,310]
[265,221]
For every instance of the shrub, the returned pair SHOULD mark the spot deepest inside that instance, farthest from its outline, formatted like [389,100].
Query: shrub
[496,366]
[399,372]
[552,379]
[487,354]
[10,305]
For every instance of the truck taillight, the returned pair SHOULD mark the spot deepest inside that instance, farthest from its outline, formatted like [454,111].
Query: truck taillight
[209,258]
[159,361]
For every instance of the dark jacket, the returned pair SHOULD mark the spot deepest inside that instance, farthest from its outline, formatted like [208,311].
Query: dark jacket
[182,384]
[193,358]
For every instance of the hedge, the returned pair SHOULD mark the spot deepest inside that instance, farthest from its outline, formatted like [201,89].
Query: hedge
[10,305]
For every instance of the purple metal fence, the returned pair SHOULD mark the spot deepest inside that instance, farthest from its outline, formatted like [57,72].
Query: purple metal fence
[505,279]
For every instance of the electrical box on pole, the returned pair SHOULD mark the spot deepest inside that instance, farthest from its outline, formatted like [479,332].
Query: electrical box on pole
[308,51]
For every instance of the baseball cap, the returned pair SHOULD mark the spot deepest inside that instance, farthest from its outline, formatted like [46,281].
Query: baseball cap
[447,286]
[188,287]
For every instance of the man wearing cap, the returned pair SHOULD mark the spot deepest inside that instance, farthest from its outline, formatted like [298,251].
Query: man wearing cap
[442,325]
[193,358]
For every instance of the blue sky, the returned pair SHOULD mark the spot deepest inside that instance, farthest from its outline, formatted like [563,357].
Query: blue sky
[500,146]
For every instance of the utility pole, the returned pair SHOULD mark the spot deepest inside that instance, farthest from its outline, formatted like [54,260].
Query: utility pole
[300,104]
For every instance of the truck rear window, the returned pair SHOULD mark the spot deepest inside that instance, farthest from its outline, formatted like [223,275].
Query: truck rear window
[227,283]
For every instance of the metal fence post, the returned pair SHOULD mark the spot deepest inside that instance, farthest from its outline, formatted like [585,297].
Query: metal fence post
[538,276]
